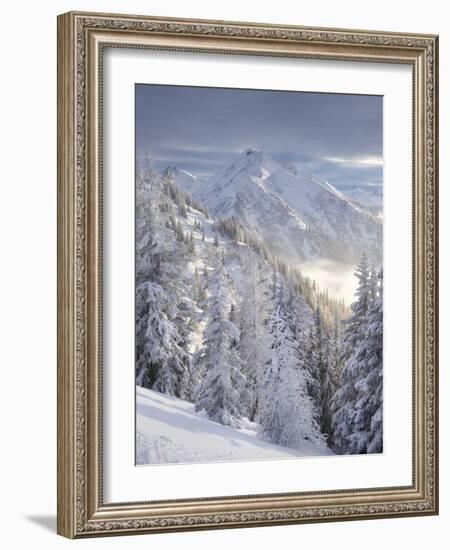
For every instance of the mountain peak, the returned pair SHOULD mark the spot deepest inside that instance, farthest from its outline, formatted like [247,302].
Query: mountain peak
[252,162]
[255,154]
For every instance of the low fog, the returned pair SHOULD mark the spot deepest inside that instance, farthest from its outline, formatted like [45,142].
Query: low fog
[336,277]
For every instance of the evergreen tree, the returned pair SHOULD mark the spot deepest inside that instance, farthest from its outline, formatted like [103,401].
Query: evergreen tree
[357,421]
[315,364]
[335,354]
[179,232]
[321,387]
[354,325]
[199,289]
[329,390]
[163,355]
[162,361]
[182,210]
[222,388]
[191,243]
[253,347]
[334,357]
[372,383]
[287,416]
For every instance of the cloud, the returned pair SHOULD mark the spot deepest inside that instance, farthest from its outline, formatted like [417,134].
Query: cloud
[356,162]
[202,129]
[374,184]
[337,278]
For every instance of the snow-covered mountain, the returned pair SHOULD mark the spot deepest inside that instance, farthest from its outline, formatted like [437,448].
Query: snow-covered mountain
[366,196]
[184,179]
[370,198]
[299,216]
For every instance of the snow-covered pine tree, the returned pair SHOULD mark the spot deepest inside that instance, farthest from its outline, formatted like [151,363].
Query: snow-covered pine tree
[315,362]
[253,346]
[163,355]
[334,352]
[223,387]
[148,259]
[288,417]
[329,390]
[334,372]
[353,326]
[198,287]
[162,299]
[321,387]
[191,243]
[373,382]
[357,420]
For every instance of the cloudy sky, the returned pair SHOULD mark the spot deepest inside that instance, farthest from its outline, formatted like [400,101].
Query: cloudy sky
[201,130]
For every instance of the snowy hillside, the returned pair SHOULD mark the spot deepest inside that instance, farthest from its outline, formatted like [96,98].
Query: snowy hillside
[169,430]
[370,198]
[367,196]
[185,180]
[301,217]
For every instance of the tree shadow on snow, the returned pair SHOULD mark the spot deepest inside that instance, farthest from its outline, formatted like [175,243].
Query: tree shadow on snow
[187,421]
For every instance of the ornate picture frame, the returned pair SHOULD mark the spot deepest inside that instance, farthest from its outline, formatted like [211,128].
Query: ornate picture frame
[82,39]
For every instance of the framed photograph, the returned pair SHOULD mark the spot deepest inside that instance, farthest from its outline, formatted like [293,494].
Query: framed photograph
[247,274]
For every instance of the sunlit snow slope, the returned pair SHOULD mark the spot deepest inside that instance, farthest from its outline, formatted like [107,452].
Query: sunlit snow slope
[170,431]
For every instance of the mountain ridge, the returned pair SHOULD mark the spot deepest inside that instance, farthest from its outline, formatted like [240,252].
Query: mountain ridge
[305,217]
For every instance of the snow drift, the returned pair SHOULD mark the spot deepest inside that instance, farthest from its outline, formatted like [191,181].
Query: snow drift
[170,431]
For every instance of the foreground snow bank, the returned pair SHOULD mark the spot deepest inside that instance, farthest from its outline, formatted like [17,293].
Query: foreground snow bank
[169,430]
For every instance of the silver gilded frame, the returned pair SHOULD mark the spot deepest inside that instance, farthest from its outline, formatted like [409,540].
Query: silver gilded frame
[82,38]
